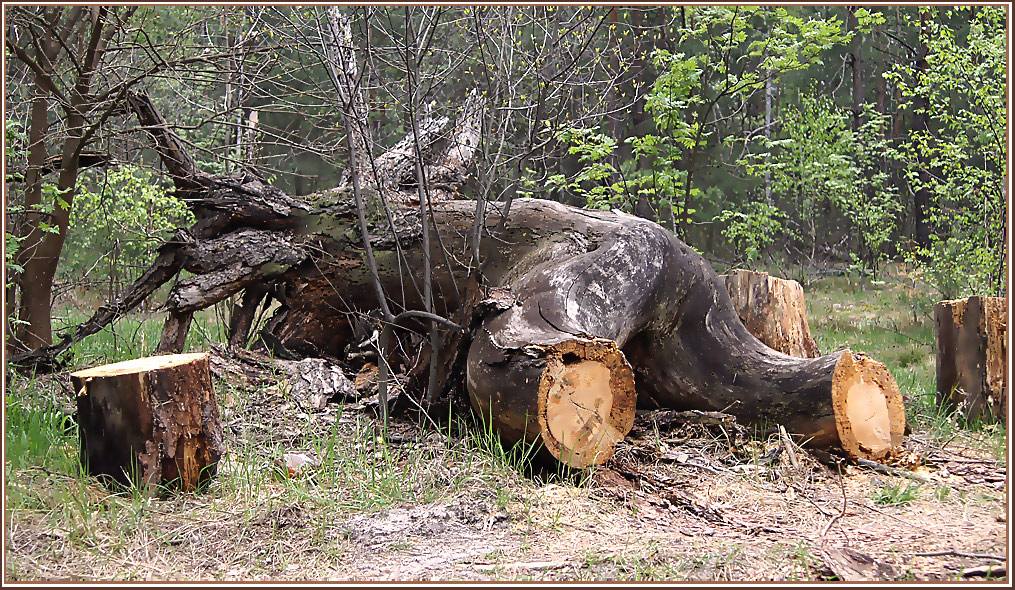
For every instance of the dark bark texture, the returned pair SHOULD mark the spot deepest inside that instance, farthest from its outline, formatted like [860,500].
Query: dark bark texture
[608,299]
[151,422]
[972,360]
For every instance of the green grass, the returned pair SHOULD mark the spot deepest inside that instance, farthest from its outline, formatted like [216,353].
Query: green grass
[132,336]
[891,320]
[897,494]
[39,435]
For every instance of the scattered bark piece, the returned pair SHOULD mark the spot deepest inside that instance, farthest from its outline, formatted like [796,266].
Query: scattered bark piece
[366,380]
[313,382]
[851,565]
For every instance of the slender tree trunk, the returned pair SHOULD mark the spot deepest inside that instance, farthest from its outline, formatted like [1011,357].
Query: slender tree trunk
[41,263]
[32,238]
[857,67]
[922,197]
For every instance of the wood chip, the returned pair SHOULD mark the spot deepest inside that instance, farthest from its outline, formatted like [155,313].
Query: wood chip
[852,566]
[984,571]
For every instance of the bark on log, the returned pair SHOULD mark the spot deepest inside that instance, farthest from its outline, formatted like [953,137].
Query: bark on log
[773,310]
[606,309]
[972,360]
[593,275]
[578,276]
[150,422]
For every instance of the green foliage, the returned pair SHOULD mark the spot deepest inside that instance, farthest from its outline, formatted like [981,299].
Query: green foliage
[592,183]
[123,214]
[961,157]
[15,152]
[873,204]
[751,228]
[819,163]
[725,62]
[897,495]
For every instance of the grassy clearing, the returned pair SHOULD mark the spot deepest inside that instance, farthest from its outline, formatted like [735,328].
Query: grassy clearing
[371,501]
[892,321]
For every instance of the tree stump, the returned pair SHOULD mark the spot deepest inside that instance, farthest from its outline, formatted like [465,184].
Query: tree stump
[773,311]
[150,422]
[972,361]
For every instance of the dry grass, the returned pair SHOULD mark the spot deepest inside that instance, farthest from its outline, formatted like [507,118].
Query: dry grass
[694,503]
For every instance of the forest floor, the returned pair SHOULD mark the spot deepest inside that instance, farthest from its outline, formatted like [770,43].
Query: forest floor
[682,499]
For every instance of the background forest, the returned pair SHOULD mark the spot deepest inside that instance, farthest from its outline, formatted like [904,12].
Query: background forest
[825,138]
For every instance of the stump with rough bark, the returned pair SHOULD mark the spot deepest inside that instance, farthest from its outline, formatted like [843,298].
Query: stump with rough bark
[151,422]
[972,360]
[773,310]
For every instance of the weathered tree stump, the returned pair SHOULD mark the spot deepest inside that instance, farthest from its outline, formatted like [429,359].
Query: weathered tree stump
[773,311]
[150,422]
[972,360]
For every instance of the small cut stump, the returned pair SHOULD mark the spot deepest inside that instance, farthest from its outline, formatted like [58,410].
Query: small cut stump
[150,422]
[972,359]
[773,311]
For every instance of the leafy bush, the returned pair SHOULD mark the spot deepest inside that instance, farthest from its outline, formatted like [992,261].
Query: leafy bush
[120,218]
[752,228]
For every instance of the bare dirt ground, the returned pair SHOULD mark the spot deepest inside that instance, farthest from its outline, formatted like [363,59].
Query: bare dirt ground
[685,498]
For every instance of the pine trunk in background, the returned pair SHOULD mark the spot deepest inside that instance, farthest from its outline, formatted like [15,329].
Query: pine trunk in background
[151,422]
[773,310]
[972,361]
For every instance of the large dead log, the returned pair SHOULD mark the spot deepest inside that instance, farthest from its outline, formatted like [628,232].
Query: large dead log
[773,310]
[972,360]
[599,311]
[579,278]
[151,422]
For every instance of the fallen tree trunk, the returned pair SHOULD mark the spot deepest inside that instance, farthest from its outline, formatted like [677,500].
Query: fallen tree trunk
[972,360]
[592,312]
[598,297]
[773,310]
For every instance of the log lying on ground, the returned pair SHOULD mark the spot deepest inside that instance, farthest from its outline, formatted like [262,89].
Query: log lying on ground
[972,359]
[773,310]
[151,422]
[606,310]
[627,280]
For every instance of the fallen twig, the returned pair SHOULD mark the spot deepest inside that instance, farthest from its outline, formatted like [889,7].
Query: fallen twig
[992,571]
[841,513]
[888,470]
[789,447]
[960,554]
